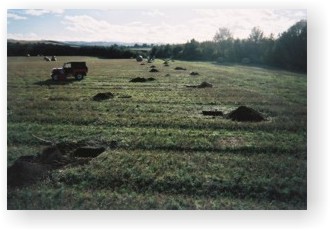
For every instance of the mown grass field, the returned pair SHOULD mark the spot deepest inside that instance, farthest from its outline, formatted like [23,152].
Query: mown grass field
[167,154]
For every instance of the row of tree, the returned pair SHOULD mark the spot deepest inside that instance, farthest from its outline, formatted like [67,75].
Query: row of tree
[49,49]
[288,51]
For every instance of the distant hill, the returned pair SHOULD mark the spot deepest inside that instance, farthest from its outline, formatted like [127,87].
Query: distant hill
[36,42]
[76,43]
[73,48]
[97,43]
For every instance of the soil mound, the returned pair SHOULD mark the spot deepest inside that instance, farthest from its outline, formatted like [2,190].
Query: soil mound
[205,85]
[212,113]
[245,114]
[141,80]
[138,80]
[103,96]
[194,73]
[153,70]
[202,85]
[29,169]
[152,66]
[180,68]
[23,172]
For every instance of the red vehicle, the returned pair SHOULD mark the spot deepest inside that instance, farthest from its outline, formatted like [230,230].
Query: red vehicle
[77,69]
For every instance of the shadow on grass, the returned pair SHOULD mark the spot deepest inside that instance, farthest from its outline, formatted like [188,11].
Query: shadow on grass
[52,82]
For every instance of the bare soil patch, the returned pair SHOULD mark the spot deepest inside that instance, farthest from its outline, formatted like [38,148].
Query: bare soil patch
[30,169]
[212,113]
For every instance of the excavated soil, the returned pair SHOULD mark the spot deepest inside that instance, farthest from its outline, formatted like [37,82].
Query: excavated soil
[141,80]
[103,96]
[194,73]
[202,85]
[212,113]
[245,114]
[153,70]
[30,169]
[180,68]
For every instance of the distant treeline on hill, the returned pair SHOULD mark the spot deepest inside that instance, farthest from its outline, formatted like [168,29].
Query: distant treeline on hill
[288,51]
[49,49]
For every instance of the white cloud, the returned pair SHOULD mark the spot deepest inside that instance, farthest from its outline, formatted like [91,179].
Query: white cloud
[166,26]
[38,12]
[15,16]
[88,28]
[153,13]
[241,21]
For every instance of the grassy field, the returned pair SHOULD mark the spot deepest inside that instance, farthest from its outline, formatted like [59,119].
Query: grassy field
[167,154]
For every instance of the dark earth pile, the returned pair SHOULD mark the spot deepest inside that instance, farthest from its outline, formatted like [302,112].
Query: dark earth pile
[141,80]
[153,70]
[202,85]
[103,96]
[212,113]
[244,113]
[30,169]
[180,68]
[194,73]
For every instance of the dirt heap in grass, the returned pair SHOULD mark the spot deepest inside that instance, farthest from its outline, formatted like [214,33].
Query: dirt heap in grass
[180,68]
[153,70]
[202,85]
[103,96]
[205,85]
[212,113]
[141,80]
[194,73]
[30,169]
[245,114]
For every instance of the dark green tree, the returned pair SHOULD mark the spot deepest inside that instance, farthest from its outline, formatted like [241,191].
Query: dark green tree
[224,43]
[290,49]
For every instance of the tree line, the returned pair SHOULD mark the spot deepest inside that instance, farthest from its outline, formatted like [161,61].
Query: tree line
[288,50]
[61,49]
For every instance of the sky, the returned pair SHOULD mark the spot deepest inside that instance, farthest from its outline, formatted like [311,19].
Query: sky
[145,26]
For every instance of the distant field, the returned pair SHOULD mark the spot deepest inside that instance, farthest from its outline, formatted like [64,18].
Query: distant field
[167,155]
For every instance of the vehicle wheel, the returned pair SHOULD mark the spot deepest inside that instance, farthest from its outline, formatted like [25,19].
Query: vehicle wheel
[79,76]
[55,77]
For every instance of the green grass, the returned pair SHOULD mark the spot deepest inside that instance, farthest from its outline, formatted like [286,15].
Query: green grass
[169,155]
